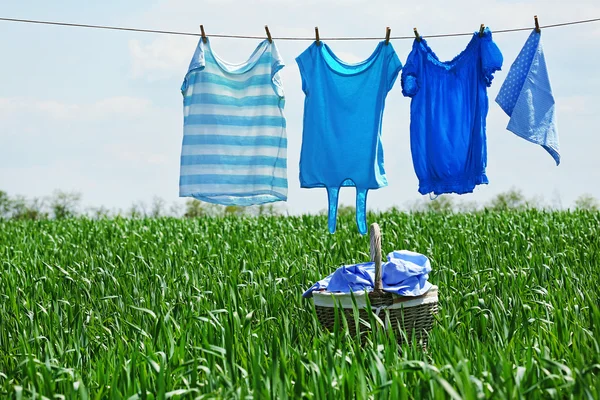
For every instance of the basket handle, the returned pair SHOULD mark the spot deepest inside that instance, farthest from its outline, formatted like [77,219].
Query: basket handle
[376,255]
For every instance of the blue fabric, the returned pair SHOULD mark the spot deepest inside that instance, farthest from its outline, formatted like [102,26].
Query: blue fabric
[406,273]
[526,96]
[448,114]
[343,109]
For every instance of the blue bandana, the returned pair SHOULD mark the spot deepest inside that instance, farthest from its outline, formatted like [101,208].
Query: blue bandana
[526,96]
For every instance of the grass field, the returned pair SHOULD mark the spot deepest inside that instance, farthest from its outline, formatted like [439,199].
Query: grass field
[212,308]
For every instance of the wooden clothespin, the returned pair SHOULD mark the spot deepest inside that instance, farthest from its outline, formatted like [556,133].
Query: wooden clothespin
[203,34]
[417,36]
[317,36]
[537,24]
[268,34]
[481,28]
[387,35]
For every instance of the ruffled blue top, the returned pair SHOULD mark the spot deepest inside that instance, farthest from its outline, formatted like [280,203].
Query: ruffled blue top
[448,111]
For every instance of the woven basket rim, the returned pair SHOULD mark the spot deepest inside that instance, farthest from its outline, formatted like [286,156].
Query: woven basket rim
[360,293]
[329,299]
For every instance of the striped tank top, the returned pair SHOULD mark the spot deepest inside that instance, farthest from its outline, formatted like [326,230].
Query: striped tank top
[234,148]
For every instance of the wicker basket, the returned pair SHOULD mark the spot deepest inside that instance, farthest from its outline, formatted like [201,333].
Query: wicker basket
[414,316]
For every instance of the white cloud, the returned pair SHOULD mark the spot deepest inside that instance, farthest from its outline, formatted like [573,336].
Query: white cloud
[162,58]
[132,156]
[580,106]
[122,106]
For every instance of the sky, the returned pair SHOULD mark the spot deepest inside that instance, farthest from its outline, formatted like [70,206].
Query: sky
[100,112]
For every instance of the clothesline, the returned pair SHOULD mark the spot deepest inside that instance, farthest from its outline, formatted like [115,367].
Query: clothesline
[31,21]
[234,147]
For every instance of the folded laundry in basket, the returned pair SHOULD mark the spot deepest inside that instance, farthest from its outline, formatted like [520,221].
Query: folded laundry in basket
[405,273]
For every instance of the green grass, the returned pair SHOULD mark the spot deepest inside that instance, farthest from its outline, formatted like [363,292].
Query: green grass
[212,308]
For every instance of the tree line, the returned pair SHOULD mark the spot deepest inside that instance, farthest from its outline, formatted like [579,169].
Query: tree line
[62,205]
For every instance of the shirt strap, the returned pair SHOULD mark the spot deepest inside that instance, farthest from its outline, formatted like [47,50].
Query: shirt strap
[361,210]
[332,194]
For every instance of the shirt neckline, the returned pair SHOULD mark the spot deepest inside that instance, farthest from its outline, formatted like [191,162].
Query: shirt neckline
[370,60]
[241,68]
[447,65]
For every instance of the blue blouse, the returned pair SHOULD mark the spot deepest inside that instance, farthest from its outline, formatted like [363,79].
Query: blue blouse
[447,114]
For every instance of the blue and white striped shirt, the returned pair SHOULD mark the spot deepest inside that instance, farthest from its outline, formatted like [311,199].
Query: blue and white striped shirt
[234,148]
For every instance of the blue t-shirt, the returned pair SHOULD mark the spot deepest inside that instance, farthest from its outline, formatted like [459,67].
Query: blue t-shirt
[343,109]
[447,114]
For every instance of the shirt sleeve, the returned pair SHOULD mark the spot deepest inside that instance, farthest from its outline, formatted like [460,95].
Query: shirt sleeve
[491,57]
[276,65]
[394,67]
[410,73]
[304,62]
[197,64]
